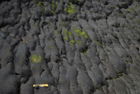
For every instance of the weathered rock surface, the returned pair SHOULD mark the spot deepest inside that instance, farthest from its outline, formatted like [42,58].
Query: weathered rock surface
[74,46]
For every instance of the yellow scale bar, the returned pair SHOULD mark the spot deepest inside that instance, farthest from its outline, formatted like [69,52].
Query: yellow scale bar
[41,85]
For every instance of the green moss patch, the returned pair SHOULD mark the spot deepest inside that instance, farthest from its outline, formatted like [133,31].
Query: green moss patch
[84,34]
[35,67]
[35,24]
[38,3]
[60,27]
[79,32]
[72,41]
[85,51]
[55,32]
[42,6]
[76,30]
[129,26]
[65,23]
[66,38]
[68,33]
[79,42]
[138,21]
[70,9]
[53,9]
[51,47]
[131,10]
[36,58]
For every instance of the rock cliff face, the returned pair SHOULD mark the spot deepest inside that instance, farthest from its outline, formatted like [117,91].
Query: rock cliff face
[74,46]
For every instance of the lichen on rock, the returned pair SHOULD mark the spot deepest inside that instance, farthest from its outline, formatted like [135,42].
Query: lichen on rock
[36,58]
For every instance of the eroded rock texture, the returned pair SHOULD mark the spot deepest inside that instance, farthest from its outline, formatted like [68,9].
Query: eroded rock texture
[75,46]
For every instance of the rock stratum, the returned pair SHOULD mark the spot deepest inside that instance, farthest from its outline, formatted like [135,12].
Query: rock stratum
[74,46]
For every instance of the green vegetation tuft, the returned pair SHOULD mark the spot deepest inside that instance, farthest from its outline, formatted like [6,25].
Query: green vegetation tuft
[51,47]
[68,33]
[114,78]
[120,75]
[85,51]
[84,34]
[129,26]
[56,32]
[138,21]
[35,67]
[64,23]
[38,3]
[36,58]
[116,6]
[51,39]
[102,85]
[72,41]
[98,43]
[42,6]
[131,10]
[60,26]
[35,24]
[78,32]
[79,42]
[71,9]
[53,6]
[66,38]
[76,0]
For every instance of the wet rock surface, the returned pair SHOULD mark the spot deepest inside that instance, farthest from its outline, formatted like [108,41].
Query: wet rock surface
[74,46]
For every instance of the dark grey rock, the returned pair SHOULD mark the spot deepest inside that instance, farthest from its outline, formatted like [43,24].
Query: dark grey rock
[120,87]
[55,70]
[84,81]
[118,64]
[9,82]
[105,62]
[5,56]
[3,34]
[27,87]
